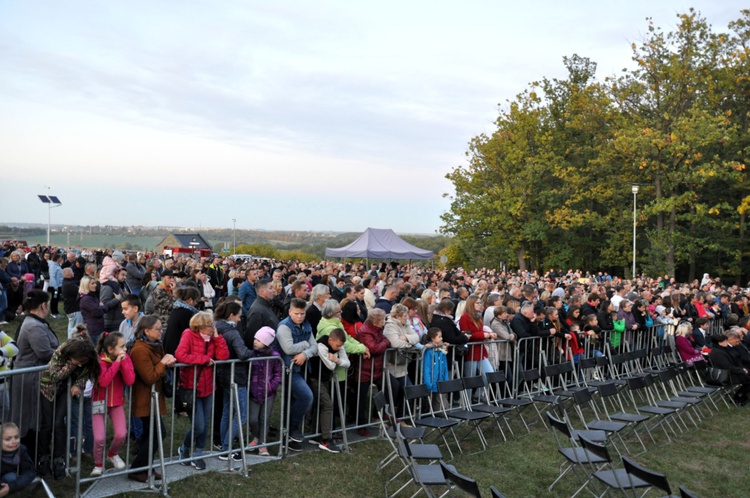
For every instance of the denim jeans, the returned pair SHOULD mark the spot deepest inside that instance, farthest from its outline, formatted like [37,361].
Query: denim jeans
[302,398]
[74,319]
[471,368]
[200,420]
[236,418]
[88,431]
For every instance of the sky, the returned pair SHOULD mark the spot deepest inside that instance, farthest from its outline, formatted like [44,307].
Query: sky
[292,115]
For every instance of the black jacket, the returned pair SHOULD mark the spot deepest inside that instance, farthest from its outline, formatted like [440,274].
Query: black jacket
[179,320]
[522,326]
[70,296]
[261,315]
[451,334]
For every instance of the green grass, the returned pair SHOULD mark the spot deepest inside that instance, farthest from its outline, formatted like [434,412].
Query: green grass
[709,461]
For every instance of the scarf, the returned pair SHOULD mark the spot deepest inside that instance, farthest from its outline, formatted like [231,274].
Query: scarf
[183,304]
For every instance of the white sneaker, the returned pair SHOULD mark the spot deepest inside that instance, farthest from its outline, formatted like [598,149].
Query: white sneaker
[96,472]
[116,462]
[263,452]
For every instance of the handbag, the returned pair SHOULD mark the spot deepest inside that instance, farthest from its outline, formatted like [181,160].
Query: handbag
[718,376]
[188,395]
[168,384]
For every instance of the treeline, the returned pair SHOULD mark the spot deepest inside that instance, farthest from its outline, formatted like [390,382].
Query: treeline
[551,186]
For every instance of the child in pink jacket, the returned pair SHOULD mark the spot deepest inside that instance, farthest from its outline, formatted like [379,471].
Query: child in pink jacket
[109,397]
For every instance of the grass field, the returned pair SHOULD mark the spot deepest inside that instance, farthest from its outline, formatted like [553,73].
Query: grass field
[709,461]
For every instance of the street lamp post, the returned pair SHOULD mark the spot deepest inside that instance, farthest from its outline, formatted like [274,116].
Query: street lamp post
[234,236]
[635,196]
[51,202]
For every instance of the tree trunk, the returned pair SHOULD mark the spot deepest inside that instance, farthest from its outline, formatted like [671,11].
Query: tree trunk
[740,249]
[670,242]
[659,215]
[521,253]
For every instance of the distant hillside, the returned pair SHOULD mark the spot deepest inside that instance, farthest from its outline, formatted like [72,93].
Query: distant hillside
[146,238]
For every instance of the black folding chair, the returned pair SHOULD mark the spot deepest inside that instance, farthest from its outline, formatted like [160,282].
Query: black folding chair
[455,388]
[650,477]
[577,458]
[388,430]
[498,391]
[496,412]
[606,474]
[420,395]
[465,484]
[425,476]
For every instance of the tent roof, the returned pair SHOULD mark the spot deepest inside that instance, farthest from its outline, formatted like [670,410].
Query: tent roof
[379,243]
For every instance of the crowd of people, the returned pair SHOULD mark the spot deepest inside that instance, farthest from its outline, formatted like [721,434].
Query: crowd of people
[132,317]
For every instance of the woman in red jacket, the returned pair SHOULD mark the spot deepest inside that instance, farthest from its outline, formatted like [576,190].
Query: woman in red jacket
[371,368]
[200,345]
[472,324]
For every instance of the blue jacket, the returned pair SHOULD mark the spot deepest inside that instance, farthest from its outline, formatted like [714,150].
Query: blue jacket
[247,294]
[55,275]
[435,368]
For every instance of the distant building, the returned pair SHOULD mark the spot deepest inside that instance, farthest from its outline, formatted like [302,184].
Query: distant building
[184,243]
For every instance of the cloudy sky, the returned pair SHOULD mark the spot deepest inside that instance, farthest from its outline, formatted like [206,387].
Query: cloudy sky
[323,115]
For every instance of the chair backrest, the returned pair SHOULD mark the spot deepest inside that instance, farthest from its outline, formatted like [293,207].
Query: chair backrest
[618,359]
[594,448]
[651,477]
[608,389]
[636,383]
[530,375]
[475,382]
[602,361]
[496,493]
[581,396]
[560,425]
[416,391]
[586,363]
[684,493]
[496,377]
[552,370]
[450,386]
[566,367]
[465,484]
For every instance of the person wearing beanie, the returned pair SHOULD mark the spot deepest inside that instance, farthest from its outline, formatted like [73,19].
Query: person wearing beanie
[265,379]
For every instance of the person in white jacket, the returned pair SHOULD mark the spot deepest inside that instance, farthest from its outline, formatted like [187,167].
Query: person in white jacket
[401,335]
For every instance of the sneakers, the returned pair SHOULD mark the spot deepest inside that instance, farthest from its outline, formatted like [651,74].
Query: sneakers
[58,470]
[236,457]
[364,432]
[264,452]
[253,445]
[43,468]
[329,445]
[198,464]
[116,462]
[96,472]
[294,446]
[314,441]
[183,454]
[296,436]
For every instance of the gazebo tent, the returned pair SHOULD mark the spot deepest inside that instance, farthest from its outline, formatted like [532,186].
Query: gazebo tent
[378,243]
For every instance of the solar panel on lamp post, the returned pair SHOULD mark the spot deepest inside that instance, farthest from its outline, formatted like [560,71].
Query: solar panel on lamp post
[51,201]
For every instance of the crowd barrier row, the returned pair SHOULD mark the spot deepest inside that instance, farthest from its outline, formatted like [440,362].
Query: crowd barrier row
[353,398]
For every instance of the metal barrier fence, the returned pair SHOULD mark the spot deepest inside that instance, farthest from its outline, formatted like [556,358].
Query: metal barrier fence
[351,395]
